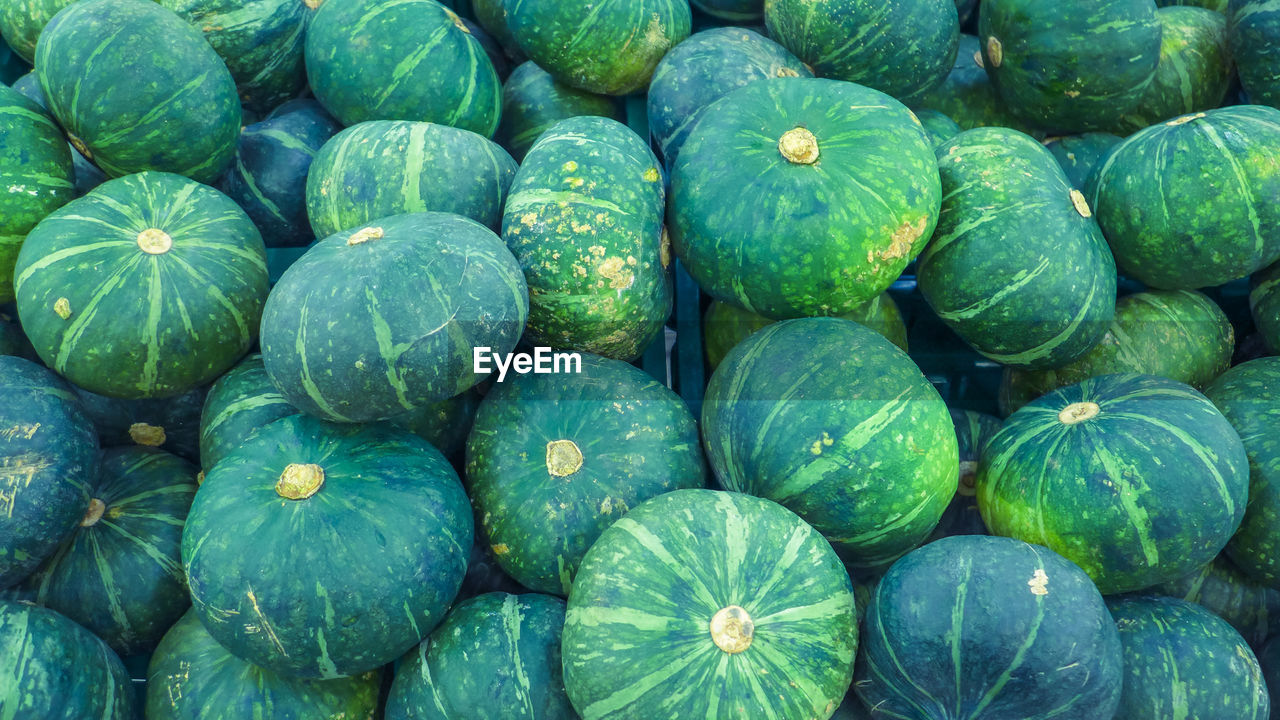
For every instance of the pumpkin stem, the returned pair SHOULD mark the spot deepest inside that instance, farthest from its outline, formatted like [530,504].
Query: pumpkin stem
[154,241]
[732,629]
[149,435]
[995,51]
[300,481]
[80,147]
[563,458]
[1082,205]
[664,248]
[1078,412]
[94,513]
[799,146]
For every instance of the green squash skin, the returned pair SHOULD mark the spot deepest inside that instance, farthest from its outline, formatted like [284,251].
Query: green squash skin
[1221,587]
[1195,69]
[991,628]
[121,576]
[48,465]
[178,110]
[584,220]
[372,60]
[831,420]
[533,101]
[1226,233]
[1181,660]
[636,440]
[269,177]
[1264,303]
[39,650]
[22,21]
[238,404]
[899,47]
[1017,266]
[1102,491]
[785,239]
[1078,154]
[314,606]
[974,431]
[1253,33]
[1070,66]
[966,95]
[1178,334]
[940,127]
[444,424]
[601,48]
[492,16]
[388,167]
[192,677]
[724,326]
[143,325]
[636,642]
[1246,395]
[34,158]
[1216,5]
[349,335]
[703,69]
[170,424]
[495,657]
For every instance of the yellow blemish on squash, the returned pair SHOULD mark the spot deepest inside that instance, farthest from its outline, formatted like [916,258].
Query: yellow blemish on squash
[1039,582]
[570,166]
[651,175]
[786,72]
[313,4]
[1081,205]
[22,431]
[824,441]
[619,278]
[574,182]
[903,239]
[360,364]
[200,478]
[597,250]
[457,21]
[364,235]
[1185,119]
[1071,93]
[263,625]
[148,435]
[655,33]
[664,248]
[63,308]
[500,549]
[16,474]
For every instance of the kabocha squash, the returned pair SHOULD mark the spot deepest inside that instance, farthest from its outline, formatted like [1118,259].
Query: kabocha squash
[1165,226]
[831,420]
[323,499]
[170,424]
[494,656]
[990,629]
[21,22]
[604,48]
[966,95]
[1017,267]
[444,424]
[172,108]
[238,404]
[35,162]
[1137,478]
[699,584]
[1253,35]
[53,669]
[962,517]
[388,167]
[1264,303]
[1178,334]
[1078,154]
[1224,589]
[192,677]
[703,69]
[492,16]
[939,127]
[120,573]
[415,60]
[338,343]
[555,459]
[1180,660]
[148,286]
[1070,66]
[48,465]
[900,48]
[787,202]
[533,101]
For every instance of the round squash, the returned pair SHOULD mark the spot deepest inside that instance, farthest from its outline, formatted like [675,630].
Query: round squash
[1079,154]
[966,95]
[1195,70]
[170,424]
[974,431]
[1253,35]
[22,21]
[533,101]
[239,403]
[1224,589]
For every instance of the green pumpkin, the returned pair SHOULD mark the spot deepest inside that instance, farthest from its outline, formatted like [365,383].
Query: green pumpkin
[162,98]
[413,60]
[1264,303]
[238,404]
[192,677]
[787,203]
[966,94]
[278,542]
[533,101]
[444,424]
[699,584]
[349,335]
[1195,69]
[22,21]
[831,420]
[940,127]
[1017,267]
[149,286]
[1078,154]
[1223,588]
[170,424]
[492,16]
[554,459]
[584,220]
[387,167]
[1253,35]
[494,656]
[1137,478]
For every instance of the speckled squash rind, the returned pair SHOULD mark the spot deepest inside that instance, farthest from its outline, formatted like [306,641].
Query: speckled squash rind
[1078,154]
[492,16]
[999,628]
[1251,608]
[1253,35]
[604,48]
[1178,334]
[389,167]
[238,404]
[48,465]
[533,101]
[444,424]
[21,22]
[149,286]
[900,47]
[162,98]
[315,606]
[1159,237]
[1017,266]
[192,677]
[831,420]
[966,94]
[641,631]
[494,656]
[170,424]
[555,459]
[1101,457]
[940,127]
[1180,660]
[411,60]
[584,220]
[818,234]
[1264,303]
[1195,69]
[962,517]
[349,335]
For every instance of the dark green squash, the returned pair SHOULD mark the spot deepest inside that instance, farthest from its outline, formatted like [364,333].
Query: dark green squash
[974,431]
[171,424]
[736,11]
[1078,154]
[1253,34]
[1195,69]
[940,127]
[238,404]
[21,22]
[966,95]
[1221,587]
[533,101]
[444,424]
[1264,303]
[492,16]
